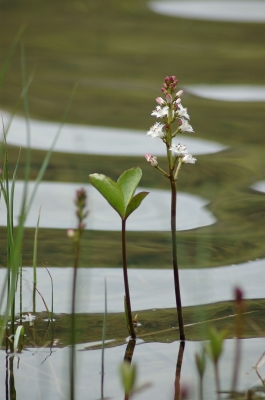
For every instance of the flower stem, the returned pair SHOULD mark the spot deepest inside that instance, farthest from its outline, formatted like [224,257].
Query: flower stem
[73,328]
[126,283]
[174,256]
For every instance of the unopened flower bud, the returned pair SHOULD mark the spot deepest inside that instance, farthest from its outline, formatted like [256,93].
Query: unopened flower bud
[168,98]
[160,101]
[238,293]
[179,93]
[151,159]
[70,233]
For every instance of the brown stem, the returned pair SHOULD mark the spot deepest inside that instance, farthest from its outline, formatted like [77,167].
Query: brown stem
[178,370]
[125,277]
[72,354]
[174,256]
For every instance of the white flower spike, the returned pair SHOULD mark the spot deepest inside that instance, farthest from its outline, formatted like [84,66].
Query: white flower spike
[157,131]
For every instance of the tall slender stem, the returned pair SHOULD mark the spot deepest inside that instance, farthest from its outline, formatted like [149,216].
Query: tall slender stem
[125,277]
[174,256]
[72,354]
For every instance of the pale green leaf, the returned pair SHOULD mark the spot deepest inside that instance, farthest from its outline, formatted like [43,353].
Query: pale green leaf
[128,182]
[135,202]
[110,190]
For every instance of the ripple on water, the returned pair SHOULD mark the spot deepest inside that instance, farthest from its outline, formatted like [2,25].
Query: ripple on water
[81,139]
[237,93]
[58,210]
[156,363]
[149,288]
[259,186]
[234,11]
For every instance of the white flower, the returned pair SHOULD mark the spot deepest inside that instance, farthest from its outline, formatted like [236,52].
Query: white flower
[188,159]
[178,150]
[157,131]
[151,159]
[160,112]
[185,126]
[182,112]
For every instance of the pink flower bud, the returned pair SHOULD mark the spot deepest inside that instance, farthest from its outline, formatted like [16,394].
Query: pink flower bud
[160,101]
[180,92]
[238,293]
[168,98]
[70,233]
[148,156]
[152,160]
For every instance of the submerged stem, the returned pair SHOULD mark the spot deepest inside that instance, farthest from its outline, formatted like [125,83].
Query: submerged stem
[126,283]
[174,256]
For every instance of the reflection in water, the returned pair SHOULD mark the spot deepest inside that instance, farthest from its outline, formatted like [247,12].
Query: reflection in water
[149,290]
[178,370]
[228,92]
[10,379]
[81,139]
[236,11]
[259,186]
[58,209]
[156,364]
[129,350]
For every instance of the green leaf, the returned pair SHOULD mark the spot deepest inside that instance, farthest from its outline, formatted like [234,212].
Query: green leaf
[19,336]
[128,182]
[135,202]
[128,375]
[110,190]
[215,346]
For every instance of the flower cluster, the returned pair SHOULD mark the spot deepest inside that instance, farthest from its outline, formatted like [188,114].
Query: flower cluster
[81,213]
[170,110]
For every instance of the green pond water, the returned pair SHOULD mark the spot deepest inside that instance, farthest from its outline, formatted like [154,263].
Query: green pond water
[118,52]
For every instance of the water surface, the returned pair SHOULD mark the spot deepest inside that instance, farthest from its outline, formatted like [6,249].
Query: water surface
[38,373]
[150,289]
[82,139]
[234,11]
[56,202]
[242,93]
[259,186]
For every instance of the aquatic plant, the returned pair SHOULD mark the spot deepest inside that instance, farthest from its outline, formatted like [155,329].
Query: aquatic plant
[75,235]
[170,110]
[120,195]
